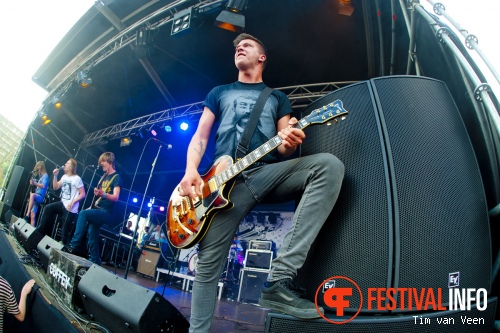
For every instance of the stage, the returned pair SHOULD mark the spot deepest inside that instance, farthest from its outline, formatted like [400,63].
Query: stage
[48,312]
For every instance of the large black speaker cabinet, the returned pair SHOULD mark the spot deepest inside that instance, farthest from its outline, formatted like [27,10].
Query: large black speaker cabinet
[27,236]
[435,321]
[412,210]
[14,185]
[123,306]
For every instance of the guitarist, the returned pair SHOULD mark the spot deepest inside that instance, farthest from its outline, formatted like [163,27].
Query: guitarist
[36,198]
[315,179]
[90,220]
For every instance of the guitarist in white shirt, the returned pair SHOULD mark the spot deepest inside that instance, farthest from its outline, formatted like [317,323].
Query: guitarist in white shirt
[316,179]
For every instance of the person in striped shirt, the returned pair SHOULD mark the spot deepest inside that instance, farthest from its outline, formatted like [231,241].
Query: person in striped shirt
[8,300]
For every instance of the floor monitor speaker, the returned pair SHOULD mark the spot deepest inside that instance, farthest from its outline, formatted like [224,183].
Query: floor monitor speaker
[123,306]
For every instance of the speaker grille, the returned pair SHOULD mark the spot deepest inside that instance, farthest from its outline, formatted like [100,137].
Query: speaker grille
[412,208]
[278,323]
[441,215]
[354,241]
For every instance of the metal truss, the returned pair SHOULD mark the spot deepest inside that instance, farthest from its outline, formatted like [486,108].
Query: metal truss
[300,96]
[64,80]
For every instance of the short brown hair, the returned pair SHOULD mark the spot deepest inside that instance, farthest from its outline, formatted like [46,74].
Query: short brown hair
[243,36]
[108,157]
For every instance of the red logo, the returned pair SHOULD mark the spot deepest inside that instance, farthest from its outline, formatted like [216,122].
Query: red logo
[338,298]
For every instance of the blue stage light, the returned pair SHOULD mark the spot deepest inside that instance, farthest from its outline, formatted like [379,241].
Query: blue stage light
[184,126]
[134,200]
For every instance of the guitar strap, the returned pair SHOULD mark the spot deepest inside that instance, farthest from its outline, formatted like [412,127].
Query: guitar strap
[244,143]
[106,189]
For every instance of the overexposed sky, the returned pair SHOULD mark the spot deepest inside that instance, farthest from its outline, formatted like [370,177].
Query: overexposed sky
[32,28]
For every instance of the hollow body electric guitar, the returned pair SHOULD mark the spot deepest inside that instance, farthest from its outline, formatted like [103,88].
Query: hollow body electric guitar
[189,219]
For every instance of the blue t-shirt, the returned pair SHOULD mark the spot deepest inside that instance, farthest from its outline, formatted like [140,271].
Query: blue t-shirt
[232,104]
[45,181]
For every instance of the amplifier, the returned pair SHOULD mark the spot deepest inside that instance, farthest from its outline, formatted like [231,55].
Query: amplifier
[258,259]
[152,246]
[64,272]
[147,262]
[260,245]
[251,284]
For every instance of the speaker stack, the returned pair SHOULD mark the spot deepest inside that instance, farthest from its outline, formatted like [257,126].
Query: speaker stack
[255,271]
[412,211]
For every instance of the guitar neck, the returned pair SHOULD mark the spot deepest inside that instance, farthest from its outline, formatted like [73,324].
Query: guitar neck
[253,157]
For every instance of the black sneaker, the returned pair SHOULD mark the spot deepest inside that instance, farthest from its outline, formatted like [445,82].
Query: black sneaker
[285,296]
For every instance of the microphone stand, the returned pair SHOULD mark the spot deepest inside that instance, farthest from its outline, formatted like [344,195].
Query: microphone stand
[129,258]
[90,185]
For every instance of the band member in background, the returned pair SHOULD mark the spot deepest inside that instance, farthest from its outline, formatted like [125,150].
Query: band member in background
[315,179]
[90,220]
[36,198]
[128,229]
[72,191]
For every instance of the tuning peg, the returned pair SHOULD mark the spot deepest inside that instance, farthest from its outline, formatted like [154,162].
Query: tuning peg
[343,117]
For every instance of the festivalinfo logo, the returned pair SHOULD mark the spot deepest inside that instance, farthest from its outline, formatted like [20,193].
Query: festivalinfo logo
[340,293]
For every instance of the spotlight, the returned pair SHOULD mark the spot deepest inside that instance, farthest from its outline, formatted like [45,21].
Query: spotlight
[150,204]
[162,208]
[184,126]
[56,101]
[230,18]
[134,200]
[153,132]
[181,22]
[83,79]
[345,7]
[44,119]
[168,129]
[125,141]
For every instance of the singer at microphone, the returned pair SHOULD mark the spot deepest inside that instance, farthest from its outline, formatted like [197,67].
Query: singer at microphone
[40,187]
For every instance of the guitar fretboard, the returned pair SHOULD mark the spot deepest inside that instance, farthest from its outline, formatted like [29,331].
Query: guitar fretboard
[254,156]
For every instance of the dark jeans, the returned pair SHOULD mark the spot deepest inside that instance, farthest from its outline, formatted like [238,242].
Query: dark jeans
[90,222]
[50,212]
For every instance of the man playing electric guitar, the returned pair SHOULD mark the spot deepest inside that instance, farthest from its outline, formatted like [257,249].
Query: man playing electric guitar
[90,220]
[316,178]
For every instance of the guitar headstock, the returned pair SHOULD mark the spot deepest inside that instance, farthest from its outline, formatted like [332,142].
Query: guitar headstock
[331,111]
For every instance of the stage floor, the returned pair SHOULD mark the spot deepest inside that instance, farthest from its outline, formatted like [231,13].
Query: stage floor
[229,315]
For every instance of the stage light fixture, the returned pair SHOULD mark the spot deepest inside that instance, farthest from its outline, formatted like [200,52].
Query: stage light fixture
[181,22]
[345,7]
[168,129]
[56,101]
[153,132]
[184,126]
[134,200]
[162,208]
[231,18]
[44,119]
[125,141]
[83,79]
